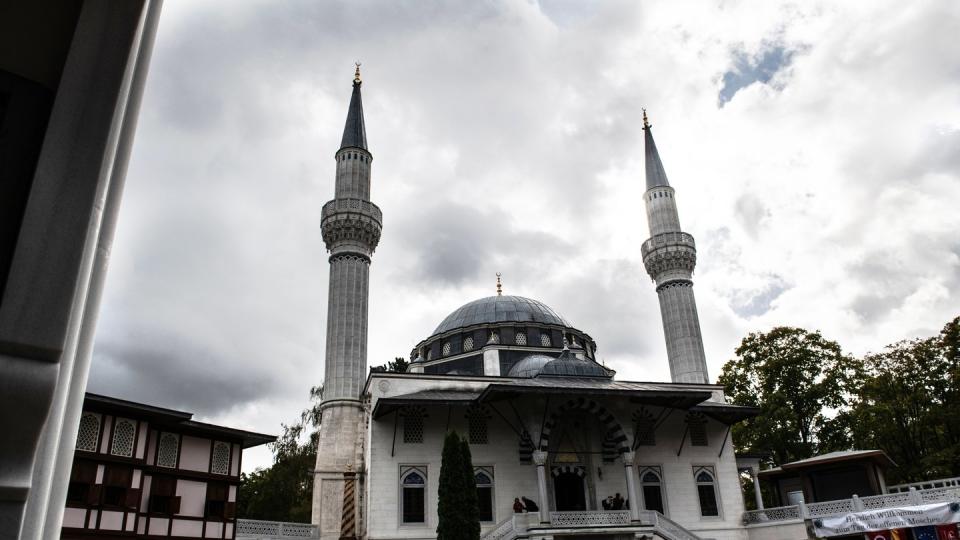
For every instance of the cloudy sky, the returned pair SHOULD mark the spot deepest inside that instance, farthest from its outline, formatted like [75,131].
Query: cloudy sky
[814,147]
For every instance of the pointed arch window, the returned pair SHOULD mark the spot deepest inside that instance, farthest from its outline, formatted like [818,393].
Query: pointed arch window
[168,451]
[651,488]
[124,432]
[705,478]
[413,494]
[89,433]
[483,476]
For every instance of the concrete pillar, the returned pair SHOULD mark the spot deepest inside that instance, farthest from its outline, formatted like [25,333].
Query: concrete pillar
[632,493]
[756,488]
[540,458]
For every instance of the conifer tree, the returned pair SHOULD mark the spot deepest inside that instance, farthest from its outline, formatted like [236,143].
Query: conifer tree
[457,512]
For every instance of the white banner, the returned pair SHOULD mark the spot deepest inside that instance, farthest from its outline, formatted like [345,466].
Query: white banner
[888,518]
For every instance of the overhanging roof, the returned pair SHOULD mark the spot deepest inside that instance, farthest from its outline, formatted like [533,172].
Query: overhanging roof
[725,412]
[878,457]
[645,393]
[452,396]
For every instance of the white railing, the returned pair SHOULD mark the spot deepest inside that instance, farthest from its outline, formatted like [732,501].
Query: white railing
[270,530]
[913,497]
[779,513]
[929,484]
[505,530]
[666,527]
[588,518]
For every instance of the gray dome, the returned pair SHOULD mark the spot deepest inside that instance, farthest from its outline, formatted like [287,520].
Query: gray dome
[530,366]
[568,365]
[494,309]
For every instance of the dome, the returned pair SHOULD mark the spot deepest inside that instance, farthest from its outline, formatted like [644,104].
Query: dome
[530,366]
[568,365]
[494,309]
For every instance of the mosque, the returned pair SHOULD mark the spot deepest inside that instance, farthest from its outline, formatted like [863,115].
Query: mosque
[591,455]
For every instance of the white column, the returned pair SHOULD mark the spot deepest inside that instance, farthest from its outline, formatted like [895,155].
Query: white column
[540,458]
[756,488]
[631,485]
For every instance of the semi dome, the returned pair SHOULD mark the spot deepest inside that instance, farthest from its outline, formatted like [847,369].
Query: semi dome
[568,365]
[530,366]
[494,309]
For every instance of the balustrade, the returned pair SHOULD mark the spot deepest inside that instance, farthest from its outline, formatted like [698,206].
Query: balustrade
[274,530]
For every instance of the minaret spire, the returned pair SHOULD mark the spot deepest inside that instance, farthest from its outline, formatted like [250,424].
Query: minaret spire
[670,255]
[350,225]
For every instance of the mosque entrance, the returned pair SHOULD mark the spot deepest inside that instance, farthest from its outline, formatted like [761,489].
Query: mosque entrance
[569,492]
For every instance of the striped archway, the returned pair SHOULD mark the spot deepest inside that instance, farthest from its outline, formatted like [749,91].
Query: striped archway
[614,440]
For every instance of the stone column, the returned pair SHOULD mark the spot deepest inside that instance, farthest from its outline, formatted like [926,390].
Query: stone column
[756,488]
[634,497]
[540,458]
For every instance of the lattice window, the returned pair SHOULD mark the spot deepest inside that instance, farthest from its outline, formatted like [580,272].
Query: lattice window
[413,424]
[124,433]
[413,487]
[220,462]
[705,478]
[169,448]
[468,343]
[644,427]
[520,338]
[446,349]
[545,340]
[494,337]
[477,421]
[697,426]
[89,432]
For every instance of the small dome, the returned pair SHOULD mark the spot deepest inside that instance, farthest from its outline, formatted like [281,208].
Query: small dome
[494,309]
[530,366]
[568,365]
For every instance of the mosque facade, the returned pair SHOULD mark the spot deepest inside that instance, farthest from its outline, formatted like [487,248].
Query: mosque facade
[550,428]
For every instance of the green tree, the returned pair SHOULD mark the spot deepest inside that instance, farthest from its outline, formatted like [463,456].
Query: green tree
[457,510]
[397,365]
[794,376]
[284,491]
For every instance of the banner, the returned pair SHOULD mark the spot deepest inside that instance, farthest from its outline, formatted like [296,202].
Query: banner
[886,519]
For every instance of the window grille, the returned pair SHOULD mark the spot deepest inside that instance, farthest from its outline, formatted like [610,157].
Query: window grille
[169,448]
[468,343]
[707,491]
[520,338]
[89,432]
[483,477]
[220,463]
[651,486]
[124,433]
[477,419]
[413,425]
[413,482]
[697,426]
[644,426]
[446,349]
[545,340]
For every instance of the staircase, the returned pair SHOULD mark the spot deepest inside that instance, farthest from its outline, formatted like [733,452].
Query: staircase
[522,525]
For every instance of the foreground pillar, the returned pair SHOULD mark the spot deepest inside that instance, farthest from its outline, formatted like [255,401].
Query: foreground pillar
[540,458]
[631,485]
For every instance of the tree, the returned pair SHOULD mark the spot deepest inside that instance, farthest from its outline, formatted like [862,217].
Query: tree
[457,510]
[397,365]
[284,491]
[794,376]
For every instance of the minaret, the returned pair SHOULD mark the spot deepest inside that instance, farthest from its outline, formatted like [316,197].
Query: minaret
[670,256]
[351,226]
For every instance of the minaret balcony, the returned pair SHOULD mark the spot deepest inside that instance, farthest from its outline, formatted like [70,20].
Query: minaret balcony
[667,239]
[351,225]
[356,206]
[668,256]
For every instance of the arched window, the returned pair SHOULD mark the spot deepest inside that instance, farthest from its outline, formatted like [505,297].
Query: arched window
[707,491]
[483,476]
[413,496]
[89,432]
[468,343]
[413,424]
[477,419]
[220,463]
[124,432]
[169,448]
[520,338]
[651,487]
[445,350]
[545,340]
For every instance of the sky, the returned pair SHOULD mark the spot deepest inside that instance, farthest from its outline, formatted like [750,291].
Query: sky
[814,148]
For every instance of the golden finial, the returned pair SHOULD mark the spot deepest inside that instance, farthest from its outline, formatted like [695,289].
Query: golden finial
[499,288]
[646,123]
[356,74]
